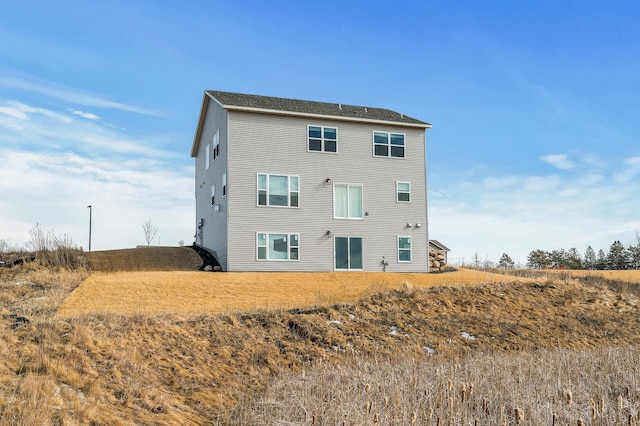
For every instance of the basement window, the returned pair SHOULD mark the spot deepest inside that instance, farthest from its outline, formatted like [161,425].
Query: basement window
[277,246]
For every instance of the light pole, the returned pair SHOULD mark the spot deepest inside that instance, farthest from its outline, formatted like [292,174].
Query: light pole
[89,207]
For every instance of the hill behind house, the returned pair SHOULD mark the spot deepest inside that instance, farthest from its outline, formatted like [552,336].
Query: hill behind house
[149,258]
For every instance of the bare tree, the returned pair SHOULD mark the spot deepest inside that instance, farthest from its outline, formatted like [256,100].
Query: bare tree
[150,231]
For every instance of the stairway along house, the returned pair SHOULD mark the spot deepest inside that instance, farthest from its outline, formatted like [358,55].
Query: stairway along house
[294,185]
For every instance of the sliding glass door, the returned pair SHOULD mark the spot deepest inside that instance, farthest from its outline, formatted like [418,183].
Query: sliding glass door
[348,253]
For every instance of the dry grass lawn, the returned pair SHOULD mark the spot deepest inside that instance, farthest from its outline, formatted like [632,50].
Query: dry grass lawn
[632,276]
[201,292]
[219,368]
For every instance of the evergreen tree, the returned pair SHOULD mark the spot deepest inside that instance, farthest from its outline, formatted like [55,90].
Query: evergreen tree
[634,256]
[505,262]
[573,259]
[634,253]
[590,258]
[618,256]
[558,258]
[601,260]
[538,259]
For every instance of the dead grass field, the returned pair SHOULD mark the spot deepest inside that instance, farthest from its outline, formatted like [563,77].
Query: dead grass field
[632,276]
[219,368]
[200,292]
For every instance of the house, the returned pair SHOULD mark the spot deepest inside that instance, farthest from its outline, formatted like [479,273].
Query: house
[440,249]
[294,185]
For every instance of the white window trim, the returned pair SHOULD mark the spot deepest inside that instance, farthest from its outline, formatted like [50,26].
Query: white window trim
[216,144]
[361,186]
[288,206]
[207,152]
[410,248]
[334,253]
[398,192]
[322,139]
[373,142]
[224,186]
[288,259]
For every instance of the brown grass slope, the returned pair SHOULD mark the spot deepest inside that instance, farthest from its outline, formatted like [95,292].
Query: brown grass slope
[196,292]
[192,369]
[144,259]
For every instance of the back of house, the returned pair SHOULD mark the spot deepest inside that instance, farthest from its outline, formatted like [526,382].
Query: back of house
[293,185]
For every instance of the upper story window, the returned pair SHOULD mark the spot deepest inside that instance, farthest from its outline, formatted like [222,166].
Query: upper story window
[277,246]
[323,139]
[216,144]
[278,190]
[224,184]
[347,201]
[206,157]
[403,192]
[388,144]
[213,194]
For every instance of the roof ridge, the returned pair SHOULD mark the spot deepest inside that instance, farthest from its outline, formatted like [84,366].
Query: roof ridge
[292,105]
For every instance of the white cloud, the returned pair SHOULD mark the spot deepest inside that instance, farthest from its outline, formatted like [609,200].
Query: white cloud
[499,183]
[560,161]
[20,111]
[72,95]
[13,112]
[56,160]
[631,169]
[541,183]
[47,128]
[54,189]
[518,214]
[87,115]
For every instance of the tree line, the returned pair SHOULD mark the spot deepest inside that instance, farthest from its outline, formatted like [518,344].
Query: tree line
[618,257]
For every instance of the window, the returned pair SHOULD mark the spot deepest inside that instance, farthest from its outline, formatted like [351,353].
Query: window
[206,157]
[388,144]
[347,201]
[216,144]
[404,249]
[324,139]
[403,192]
[224,185]
[278,190]
[348,253]
[277,246]
[213,194]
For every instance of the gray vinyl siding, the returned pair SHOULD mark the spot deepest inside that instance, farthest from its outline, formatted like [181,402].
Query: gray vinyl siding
[262,143]
[214,231]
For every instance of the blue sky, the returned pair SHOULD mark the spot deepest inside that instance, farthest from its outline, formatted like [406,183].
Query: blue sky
[533,103]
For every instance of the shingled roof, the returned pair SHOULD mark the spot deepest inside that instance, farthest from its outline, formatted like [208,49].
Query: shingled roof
[269,104]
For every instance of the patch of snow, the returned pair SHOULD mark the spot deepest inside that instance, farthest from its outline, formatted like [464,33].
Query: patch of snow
[429,350]
[468,336]
[394,330]
[335,322]
[351,316]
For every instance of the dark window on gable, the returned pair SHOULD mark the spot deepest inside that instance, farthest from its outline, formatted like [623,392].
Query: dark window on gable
[322,139]
[388,144]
